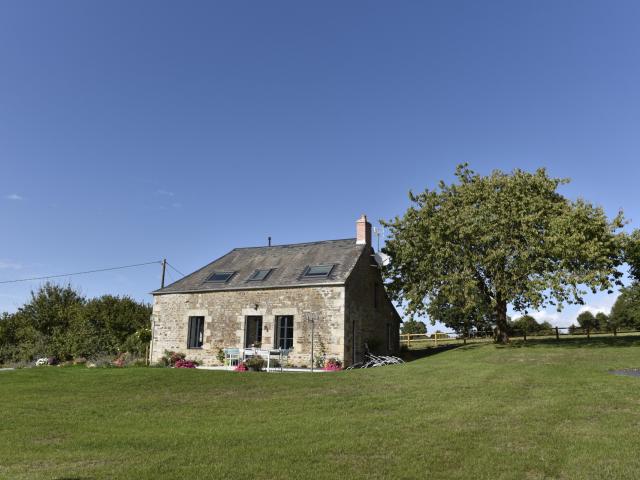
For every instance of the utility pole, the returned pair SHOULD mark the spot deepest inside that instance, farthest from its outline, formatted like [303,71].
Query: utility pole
[164,269]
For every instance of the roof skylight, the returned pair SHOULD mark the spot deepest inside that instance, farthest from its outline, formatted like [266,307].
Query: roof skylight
[220,277]
[317,271]
[260,275]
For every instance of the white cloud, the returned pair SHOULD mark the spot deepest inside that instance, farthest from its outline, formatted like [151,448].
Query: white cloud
[568,316]
[554,318]
[165,193]
[14,197]
[8,265]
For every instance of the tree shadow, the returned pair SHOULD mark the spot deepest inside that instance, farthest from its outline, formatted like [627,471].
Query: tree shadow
[411,355]
[74,478]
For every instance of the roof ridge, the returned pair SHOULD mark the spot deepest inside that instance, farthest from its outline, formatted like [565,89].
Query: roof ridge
[298,244]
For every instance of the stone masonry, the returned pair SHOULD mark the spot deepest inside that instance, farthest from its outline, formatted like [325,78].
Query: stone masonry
[224,316]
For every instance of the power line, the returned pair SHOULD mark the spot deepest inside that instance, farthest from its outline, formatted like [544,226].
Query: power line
[79,273]
[170,276]
[178,271]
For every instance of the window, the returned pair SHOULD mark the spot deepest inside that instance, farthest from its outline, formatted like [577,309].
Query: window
[195,336]
[284,332]
[316,271]
[260,275]
[220,277]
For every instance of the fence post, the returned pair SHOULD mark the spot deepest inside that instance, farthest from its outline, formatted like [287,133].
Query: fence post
[525,335]
[557,334]
[408,341]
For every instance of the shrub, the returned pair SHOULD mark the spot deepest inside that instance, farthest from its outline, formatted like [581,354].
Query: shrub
[241,368]
[119,361]
[220,356]
[256,363]
[170,358]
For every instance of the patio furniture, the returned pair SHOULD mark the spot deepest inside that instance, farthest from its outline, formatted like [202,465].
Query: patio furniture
[231,356]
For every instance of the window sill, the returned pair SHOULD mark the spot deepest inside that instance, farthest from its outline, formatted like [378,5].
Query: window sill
[195,348]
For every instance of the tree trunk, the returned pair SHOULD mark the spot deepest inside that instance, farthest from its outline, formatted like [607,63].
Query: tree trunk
[501,335]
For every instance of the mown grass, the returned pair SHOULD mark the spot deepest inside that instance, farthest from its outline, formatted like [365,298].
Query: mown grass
[541,410]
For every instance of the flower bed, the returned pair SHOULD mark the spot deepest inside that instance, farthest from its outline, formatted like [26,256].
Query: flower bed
[182,363]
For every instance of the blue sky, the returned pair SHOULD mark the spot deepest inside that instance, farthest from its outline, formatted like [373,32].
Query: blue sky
[132,131]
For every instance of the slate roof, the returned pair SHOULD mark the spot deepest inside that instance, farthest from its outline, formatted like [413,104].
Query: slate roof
[288,262]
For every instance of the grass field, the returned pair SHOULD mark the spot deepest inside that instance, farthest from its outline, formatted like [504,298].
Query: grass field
[544,410]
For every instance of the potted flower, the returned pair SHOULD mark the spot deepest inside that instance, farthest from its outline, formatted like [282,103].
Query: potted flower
[255,364]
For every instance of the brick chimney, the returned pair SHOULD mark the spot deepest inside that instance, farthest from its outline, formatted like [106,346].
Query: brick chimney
[363,231]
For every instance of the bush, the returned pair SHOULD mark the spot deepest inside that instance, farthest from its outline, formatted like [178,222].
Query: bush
[220,356]
[255,364]
[170,358]
[241,368]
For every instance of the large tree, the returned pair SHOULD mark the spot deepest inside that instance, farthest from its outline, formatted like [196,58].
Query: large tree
[507,238]
[632,254]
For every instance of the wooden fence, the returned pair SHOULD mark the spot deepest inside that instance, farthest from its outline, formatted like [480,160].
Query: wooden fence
[428,340]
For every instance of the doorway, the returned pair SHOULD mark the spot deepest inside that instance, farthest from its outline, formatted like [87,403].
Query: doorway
[253,331]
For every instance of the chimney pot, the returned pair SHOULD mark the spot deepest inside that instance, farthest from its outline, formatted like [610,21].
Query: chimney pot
[363,231]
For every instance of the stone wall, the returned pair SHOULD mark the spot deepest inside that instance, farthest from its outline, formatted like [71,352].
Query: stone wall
[224,315]
[370,317]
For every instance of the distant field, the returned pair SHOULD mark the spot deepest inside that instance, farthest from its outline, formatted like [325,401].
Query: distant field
[545,410]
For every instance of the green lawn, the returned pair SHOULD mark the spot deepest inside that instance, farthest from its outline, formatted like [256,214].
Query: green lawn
[544,410]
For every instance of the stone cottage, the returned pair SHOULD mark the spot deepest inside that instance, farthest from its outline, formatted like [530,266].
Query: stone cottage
[268,296]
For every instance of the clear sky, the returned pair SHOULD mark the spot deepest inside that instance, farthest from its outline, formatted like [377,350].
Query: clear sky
[132,131]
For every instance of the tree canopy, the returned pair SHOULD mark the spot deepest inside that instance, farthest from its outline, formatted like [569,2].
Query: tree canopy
[632,255]
[59,322]
[587,321]
[486,242]
[413,326]
[626,310]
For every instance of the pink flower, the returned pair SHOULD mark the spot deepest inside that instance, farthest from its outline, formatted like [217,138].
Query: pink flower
[184,364]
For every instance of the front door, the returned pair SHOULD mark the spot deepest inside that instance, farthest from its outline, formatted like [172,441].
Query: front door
[253,331]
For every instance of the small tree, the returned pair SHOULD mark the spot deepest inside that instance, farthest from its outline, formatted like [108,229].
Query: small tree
[587,321]
[602,321]
[526,324]
[413,327]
